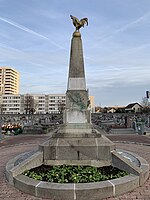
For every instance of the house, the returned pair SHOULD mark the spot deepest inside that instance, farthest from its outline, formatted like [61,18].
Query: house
[111,110]
[133,107]
[116,109]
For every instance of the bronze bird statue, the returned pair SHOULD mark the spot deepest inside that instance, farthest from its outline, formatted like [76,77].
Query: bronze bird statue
[79,23]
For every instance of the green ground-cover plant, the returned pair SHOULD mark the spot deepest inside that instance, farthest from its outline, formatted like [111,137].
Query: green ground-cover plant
[74,174]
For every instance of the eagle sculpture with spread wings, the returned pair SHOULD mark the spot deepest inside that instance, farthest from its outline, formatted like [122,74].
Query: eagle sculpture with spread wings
[79,23]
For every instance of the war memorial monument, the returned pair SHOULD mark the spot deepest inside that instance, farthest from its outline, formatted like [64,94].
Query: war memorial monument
[76,142]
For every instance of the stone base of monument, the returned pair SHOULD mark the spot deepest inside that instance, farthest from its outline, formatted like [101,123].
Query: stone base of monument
[93,150]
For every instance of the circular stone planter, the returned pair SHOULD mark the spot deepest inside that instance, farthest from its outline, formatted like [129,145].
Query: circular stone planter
[77,191]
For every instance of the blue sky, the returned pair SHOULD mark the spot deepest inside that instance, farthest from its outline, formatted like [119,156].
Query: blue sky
[35,40]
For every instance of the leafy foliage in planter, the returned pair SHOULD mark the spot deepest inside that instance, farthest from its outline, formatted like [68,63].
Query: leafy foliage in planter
[74,174]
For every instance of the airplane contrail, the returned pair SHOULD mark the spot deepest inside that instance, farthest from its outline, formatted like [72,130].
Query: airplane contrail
[29,31]
[22,28]
[140,19]
[125,27]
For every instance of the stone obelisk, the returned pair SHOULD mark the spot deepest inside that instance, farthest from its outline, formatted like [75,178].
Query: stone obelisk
[77,115]
[76,142]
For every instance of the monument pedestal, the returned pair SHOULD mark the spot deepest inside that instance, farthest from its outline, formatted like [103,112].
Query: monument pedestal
[84,150]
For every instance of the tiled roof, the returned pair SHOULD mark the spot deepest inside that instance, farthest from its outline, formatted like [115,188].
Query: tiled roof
[131,105]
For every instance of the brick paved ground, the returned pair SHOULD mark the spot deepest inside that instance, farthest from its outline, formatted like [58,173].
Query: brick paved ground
[12,146]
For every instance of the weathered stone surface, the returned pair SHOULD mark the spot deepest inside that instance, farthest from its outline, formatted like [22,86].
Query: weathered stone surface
[76,66]
[79,149]
[9,166]
[93,191]
[76,83]
[125,184]
[76,117]
[49,149]
[55,191]
[31,162]
[144,174]
[26,184]
[77,99]
[144,168]
[75,130]
[95,163]
[124,164]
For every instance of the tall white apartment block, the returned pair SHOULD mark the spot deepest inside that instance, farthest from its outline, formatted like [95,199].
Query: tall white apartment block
[9,81]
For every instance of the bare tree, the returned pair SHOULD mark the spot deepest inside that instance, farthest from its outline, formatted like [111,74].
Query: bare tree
[145,103]
[29,104]
[61,106]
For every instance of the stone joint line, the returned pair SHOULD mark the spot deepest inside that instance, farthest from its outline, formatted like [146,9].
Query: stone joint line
[96,146]
[74,192]
[114,190]
[36,187]
[57,148]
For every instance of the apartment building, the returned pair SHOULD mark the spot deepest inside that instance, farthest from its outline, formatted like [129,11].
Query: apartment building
[51,103]
[9,81]
[35,103]
[32,103]
[10,104]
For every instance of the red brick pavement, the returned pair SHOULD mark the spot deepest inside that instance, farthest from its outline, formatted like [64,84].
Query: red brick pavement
[132,138]
[13,146]
[18,139]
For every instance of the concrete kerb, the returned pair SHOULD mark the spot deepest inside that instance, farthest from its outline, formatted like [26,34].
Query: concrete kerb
[143,173]
[94,191]
[125,184]
[124,164]
[13,170]
[10,166]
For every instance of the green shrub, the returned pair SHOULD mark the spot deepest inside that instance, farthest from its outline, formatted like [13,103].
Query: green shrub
[74,174]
